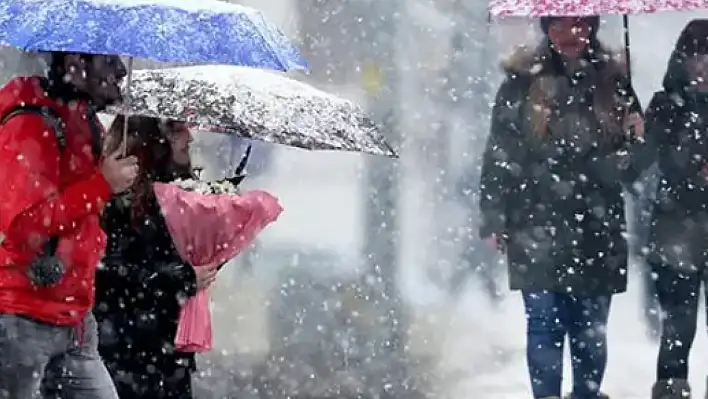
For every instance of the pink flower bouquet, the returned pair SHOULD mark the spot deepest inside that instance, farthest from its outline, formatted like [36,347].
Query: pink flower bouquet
[210,224]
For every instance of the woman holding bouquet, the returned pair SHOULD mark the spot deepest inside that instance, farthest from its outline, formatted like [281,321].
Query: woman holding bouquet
[143,283]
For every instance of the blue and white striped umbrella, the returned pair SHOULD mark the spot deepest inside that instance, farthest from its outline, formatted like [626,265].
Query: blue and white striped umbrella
[190,31]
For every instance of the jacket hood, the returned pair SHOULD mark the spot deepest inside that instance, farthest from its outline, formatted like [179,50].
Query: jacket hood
[528,61]
[692,41]
[24,91]
[547,86]
[676,79]
[37,91]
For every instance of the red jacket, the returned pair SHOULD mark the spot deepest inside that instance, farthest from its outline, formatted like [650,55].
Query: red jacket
[45,194]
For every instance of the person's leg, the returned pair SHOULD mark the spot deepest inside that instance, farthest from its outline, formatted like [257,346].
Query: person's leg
[127,383]
[588,344]
[652,309]
[79,373]
[26,347]
[545,334]
[178,384]
[678,294]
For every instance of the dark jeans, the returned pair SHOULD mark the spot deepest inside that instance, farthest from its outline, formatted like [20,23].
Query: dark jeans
[678,293]
[553,316]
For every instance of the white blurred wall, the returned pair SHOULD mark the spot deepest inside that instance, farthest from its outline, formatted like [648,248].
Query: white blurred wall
[321,196]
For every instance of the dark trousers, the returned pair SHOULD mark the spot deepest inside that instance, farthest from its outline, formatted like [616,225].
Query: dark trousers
[550,318]
[678,291]
[640,229]
[650,299]
[139,381]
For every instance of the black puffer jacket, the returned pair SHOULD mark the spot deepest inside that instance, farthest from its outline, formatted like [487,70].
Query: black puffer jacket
[677,128]
[139,291]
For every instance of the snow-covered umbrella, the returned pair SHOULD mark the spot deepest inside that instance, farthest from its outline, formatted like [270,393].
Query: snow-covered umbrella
[256,104]
[204,32]
[200,32]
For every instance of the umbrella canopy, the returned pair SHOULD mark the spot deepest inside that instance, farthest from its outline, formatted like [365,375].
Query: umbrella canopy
[539,8]
[255,104]
[204,31]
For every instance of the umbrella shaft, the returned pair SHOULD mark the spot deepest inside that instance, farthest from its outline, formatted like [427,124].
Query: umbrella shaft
[126,105]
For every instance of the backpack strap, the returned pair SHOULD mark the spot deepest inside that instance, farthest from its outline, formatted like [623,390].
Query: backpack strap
[52,119]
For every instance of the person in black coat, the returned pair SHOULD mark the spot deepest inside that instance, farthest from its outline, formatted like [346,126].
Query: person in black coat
[551,195]
[143,281]
[677,128]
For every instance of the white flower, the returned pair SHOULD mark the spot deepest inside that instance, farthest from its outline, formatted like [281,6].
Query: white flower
[206,187]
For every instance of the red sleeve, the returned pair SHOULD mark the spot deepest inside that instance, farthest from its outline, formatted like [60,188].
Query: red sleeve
[31,206]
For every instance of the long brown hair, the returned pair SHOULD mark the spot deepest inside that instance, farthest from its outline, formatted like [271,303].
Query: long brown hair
[148,141]
[609,107]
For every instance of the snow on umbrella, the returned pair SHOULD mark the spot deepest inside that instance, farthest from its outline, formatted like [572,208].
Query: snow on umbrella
[255,104]
[584,8]
[539,8]
[207,31]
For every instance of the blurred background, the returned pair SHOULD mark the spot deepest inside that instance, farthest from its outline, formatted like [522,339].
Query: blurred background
[373,284]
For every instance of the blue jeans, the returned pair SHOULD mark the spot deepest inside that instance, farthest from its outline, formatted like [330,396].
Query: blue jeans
[59,362]
[550,317]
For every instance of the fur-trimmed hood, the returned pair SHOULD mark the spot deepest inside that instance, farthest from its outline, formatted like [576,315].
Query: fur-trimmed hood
[546,88]
[529,61]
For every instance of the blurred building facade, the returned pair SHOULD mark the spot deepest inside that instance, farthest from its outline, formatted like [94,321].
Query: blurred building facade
[427,71]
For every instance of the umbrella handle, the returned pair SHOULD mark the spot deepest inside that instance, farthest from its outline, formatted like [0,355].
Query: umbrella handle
[126,107]
[240,174]
[244,161]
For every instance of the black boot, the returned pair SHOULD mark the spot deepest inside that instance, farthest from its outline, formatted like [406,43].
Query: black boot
[671,389]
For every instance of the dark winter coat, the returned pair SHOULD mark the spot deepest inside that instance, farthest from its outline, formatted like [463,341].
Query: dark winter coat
[552,173]
[139,292]
[677,127]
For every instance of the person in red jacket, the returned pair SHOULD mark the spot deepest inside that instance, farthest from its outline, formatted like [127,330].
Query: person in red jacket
[54,187]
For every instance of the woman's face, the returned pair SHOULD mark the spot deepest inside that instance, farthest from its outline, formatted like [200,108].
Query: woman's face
[697,67]
[180,139]
[569,36]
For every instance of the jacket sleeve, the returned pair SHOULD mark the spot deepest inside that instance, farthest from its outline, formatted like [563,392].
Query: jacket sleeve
[173,271]
[33,207]
[681,152]
[502,159]
[631,159]
[624,159]
[145,256]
